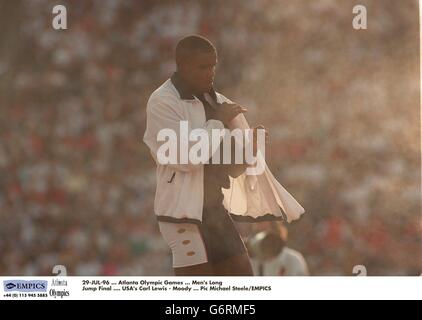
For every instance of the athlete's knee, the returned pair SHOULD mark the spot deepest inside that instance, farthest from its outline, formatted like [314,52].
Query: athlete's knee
[203,269]
[234,266]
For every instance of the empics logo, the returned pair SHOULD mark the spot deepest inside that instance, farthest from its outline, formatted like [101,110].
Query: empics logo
[25,286]
[10,286]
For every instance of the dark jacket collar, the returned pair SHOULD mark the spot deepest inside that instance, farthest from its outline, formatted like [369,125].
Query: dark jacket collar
[184,91]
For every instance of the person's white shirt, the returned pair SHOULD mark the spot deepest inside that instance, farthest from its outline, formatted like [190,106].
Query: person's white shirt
[288,263]
[179,193]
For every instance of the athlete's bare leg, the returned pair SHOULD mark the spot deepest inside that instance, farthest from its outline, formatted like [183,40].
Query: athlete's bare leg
[203,269]
[234,266]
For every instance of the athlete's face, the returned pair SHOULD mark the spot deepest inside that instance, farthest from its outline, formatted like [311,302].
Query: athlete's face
[199,71]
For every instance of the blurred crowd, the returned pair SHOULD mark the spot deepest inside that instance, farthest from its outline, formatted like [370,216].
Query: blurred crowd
[342,108]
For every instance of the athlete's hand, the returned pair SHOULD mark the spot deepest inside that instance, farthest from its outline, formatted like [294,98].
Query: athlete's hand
[226,112]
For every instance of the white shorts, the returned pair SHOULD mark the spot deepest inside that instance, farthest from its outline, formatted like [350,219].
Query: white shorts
[185,242]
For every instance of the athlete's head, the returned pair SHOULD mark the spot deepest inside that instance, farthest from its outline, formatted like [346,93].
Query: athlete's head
[196,58]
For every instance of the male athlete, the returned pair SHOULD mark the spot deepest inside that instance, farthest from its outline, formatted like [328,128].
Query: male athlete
[189,200]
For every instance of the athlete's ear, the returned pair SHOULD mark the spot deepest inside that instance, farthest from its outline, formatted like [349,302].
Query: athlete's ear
[181,62]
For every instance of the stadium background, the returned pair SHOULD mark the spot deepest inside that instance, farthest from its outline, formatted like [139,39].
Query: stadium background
[342,108]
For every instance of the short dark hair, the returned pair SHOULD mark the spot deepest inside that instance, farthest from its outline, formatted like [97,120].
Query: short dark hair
[192,44]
